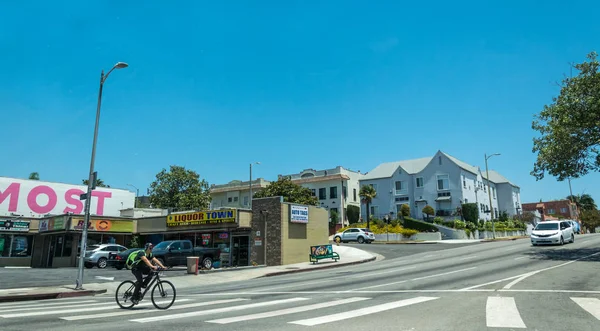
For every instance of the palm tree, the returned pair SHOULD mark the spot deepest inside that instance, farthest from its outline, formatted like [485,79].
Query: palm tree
[34,176]
[367,194]
[583,201]
[99,183]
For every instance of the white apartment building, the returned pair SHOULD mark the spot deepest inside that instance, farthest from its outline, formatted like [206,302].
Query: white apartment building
[235,193]
[441,181]
[335,188]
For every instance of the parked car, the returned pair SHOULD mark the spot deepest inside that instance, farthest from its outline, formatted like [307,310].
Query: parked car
[576,227]
[117,260]
[355,234]
[97,255]
[552,232]
[175,252]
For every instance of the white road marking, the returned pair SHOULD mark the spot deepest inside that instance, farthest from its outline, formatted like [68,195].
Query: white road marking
[379,273]
[215,311]
[410,280]
[310,283]
[426,256]
[520,257]
[523,277]
[285,311]
[143,311]
[491,283]
[361,312]
[105,278]
[346,292]
[17,267]
[468,257]
[591,305]
[502,312]
[17,289]
[552,291]
[49,304]
[112,305]
[510,249]
[29,308]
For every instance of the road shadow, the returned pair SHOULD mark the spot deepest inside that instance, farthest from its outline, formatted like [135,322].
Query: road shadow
[565,254]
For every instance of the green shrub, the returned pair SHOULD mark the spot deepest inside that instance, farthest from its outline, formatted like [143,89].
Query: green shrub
[470,212]
[459,225]
[410,223]
[405,210]
[471,226]
[407,233]
[353,213]
[395,223]
[428,210]
[468,232]
[438,220]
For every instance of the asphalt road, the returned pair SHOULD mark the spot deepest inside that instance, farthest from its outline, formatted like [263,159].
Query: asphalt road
[489,286]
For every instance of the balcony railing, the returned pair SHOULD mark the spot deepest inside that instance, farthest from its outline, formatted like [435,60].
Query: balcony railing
[445,212]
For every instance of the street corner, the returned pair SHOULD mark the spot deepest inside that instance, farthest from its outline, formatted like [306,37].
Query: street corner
[41,293]
[307,267]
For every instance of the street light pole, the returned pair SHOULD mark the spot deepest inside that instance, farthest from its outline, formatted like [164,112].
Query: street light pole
[91,179]
[137,194]
[250,185]
[487,174]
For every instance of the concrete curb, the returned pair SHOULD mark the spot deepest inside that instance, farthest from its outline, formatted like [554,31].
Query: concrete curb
[328,266]
[51,295]
[503,239]
[212,271]
[404,243]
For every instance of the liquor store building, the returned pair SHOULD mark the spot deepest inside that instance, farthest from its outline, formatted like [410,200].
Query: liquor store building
[226,229]
[17,236]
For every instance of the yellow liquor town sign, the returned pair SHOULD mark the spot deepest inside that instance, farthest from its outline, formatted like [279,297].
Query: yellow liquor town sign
[202,218]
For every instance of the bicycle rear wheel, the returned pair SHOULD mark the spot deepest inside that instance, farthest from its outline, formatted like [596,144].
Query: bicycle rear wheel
[125,292]
[163,290]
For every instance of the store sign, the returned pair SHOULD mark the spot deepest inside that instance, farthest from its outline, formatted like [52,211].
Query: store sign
[53,224]
[37,198]
[14,226]
[202,218]
[103,225]
[299,214]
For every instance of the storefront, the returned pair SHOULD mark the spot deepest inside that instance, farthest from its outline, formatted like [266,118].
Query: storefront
[60,236]
[16,242]
[226,229]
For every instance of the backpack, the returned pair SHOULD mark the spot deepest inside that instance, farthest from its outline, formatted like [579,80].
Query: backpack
[131,258]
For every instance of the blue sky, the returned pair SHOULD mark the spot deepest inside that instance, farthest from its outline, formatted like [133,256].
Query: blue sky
[292,84]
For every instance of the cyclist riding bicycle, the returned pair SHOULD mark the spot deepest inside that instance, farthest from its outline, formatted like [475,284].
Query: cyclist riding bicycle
[142,266]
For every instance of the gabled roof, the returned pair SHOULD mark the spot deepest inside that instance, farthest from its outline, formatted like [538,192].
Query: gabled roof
[497,178]
[463,165]
[386,170]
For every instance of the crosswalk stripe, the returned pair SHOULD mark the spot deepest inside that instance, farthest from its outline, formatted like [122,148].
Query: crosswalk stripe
[361,312]
[76,310]
[21,308]
[285,311]
[31,304]
[144,311]
[216,311]
[591,305]
[502,312]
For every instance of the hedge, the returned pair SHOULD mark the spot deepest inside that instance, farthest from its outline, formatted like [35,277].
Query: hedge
[410,223]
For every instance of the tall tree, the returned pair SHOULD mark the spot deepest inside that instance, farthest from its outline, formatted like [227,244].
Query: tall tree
[290,191]
[569,141]
[99,183]
[34,176]
[367,194]
[590,219]
[179,188]
[583,201]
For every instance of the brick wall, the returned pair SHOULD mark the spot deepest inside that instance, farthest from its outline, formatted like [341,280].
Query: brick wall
[556,208]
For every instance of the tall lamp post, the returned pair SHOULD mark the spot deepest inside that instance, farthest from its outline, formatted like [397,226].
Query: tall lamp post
[250,185]
[137,194]
[487,174]
[91,179]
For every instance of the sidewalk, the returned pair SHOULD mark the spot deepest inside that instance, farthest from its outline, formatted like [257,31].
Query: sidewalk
[348,256]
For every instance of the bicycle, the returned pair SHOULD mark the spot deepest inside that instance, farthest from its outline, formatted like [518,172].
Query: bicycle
[160,285]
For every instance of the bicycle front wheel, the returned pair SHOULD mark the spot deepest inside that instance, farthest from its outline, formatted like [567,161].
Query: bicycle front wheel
[125,292]
[164,291]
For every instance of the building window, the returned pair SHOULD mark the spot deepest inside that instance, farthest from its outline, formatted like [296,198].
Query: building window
[245,201]
[333,192]
[313,192]
[419,182]
[440,160]
[374,211]
[344,192]
[402,199]
[563,210]
[466,200]
[354,194]
[464,182]
[550,211]
[374,186]
[229,199]
[322,193]
[14,245]
[401,187]
[235,199]
[332,210]
[494,192]
[443,182]
[496,212]
[482,207]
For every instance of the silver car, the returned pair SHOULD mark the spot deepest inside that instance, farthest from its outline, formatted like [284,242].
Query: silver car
[552,232]
[355,234]
[97,255]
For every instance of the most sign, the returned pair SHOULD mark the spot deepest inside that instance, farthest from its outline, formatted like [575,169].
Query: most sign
[34,198]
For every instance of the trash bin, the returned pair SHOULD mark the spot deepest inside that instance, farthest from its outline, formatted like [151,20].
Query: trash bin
[192,264]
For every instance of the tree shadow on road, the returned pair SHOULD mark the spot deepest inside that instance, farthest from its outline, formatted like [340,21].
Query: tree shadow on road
[565,254]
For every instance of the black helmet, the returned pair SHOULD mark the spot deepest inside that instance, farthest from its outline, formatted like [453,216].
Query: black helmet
[148,246]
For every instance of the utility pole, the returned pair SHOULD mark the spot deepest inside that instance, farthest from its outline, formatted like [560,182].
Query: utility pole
[487,174]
